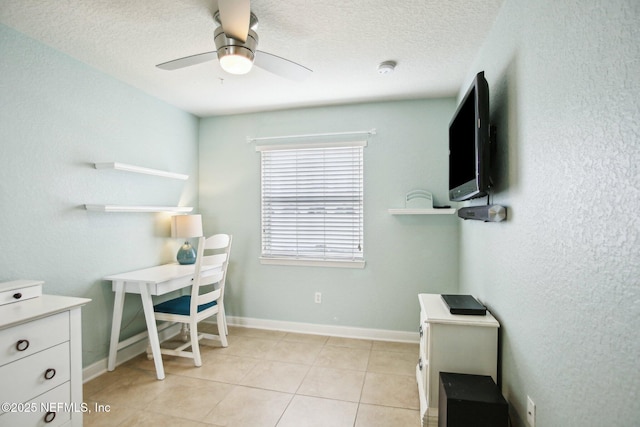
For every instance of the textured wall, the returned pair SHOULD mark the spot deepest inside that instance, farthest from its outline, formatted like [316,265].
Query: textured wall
[405,255]
[562,274]
[57,117]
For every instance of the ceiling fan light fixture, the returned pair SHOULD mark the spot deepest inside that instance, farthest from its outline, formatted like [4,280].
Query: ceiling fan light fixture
[236,63]
[235,56]
[236,48]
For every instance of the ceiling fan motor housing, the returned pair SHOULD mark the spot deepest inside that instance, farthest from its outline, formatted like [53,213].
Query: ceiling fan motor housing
[226,45]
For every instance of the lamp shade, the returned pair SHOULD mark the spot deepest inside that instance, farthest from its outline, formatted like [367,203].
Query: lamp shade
[186,226]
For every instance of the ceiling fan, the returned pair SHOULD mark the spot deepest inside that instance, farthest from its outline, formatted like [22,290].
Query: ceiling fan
[236,43]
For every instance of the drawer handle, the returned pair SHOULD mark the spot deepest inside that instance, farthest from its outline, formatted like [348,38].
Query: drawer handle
[420,363]
[421,331]
[49,416]
[17,295]
[22,345]
[49,373]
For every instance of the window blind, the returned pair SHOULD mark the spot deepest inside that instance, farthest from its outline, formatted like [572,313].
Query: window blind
[312,202]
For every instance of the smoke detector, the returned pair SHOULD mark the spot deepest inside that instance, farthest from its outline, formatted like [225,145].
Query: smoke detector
[386,67]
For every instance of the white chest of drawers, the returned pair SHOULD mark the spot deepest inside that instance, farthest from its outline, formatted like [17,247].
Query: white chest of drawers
[41,362]
[461,344]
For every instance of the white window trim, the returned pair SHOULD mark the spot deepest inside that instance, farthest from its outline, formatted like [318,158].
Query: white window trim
[312,262]
[309,262]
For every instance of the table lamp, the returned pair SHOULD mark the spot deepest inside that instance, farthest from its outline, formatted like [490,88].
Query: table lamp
[186,227]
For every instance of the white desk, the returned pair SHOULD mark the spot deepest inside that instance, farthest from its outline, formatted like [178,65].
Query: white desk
[147,282]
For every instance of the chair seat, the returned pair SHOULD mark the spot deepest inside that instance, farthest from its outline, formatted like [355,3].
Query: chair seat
[180,306]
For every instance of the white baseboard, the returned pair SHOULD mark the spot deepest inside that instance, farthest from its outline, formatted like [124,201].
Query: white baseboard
[330,330]
[100,367]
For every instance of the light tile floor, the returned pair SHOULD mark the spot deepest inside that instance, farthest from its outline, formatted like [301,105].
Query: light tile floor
[265,379]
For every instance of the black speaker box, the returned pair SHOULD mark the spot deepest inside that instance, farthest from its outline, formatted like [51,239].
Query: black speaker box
[471,401]
[486,213]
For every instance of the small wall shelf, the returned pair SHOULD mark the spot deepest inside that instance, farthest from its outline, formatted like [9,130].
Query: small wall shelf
[140,169]
[146,171]
[126,208]
[418,211]
[420,202]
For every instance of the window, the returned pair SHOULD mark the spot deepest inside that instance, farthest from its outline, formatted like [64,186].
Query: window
[312,204]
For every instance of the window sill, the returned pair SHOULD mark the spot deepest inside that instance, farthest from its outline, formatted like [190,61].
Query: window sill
[312,263]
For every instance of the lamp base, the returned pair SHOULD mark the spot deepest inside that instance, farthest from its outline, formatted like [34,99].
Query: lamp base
[186,254]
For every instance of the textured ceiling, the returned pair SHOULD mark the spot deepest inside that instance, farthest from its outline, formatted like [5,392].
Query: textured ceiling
[433,43]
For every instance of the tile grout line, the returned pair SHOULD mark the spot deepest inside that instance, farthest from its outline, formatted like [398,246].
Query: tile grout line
[364,380]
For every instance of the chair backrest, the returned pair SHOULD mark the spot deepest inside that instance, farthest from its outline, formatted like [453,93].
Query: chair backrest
[218,247]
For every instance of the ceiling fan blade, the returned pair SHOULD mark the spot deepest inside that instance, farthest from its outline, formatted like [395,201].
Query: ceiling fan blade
[235,16]
[188,61]
[281,67]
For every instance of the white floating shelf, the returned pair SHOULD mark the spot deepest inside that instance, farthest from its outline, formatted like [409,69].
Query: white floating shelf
[140,169]
[420,202]
[123,208]
[420,211]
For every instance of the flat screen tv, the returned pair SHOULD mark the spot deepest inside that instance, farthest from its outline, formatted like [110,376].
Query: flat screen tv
[469,151]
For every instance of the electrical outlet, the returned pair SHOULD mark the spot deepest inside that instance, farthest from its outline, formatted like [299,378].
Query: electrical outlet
[318,298]
[531,412]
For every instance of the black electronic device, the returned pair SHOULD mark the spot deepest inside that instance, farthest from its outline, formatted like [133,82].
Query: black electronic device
[471,400]
[486,213]
[464,304]
[469,144]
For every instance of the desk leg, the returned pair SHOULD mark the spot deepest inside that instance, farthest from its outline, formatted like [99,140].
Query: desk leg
[118,305]
[154,341]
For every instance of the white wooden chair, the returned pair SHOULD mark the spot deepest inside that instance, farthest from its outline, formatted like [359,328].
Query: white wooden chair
[206,299]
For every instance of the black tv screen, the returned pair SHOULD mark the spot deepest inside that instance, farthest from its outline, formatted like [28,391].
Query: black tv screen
[469,144]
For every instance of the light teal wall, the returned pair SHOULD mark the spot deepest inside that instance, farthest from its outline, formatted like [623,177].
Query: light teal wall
[57,117]
[562,274]
[405,255]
